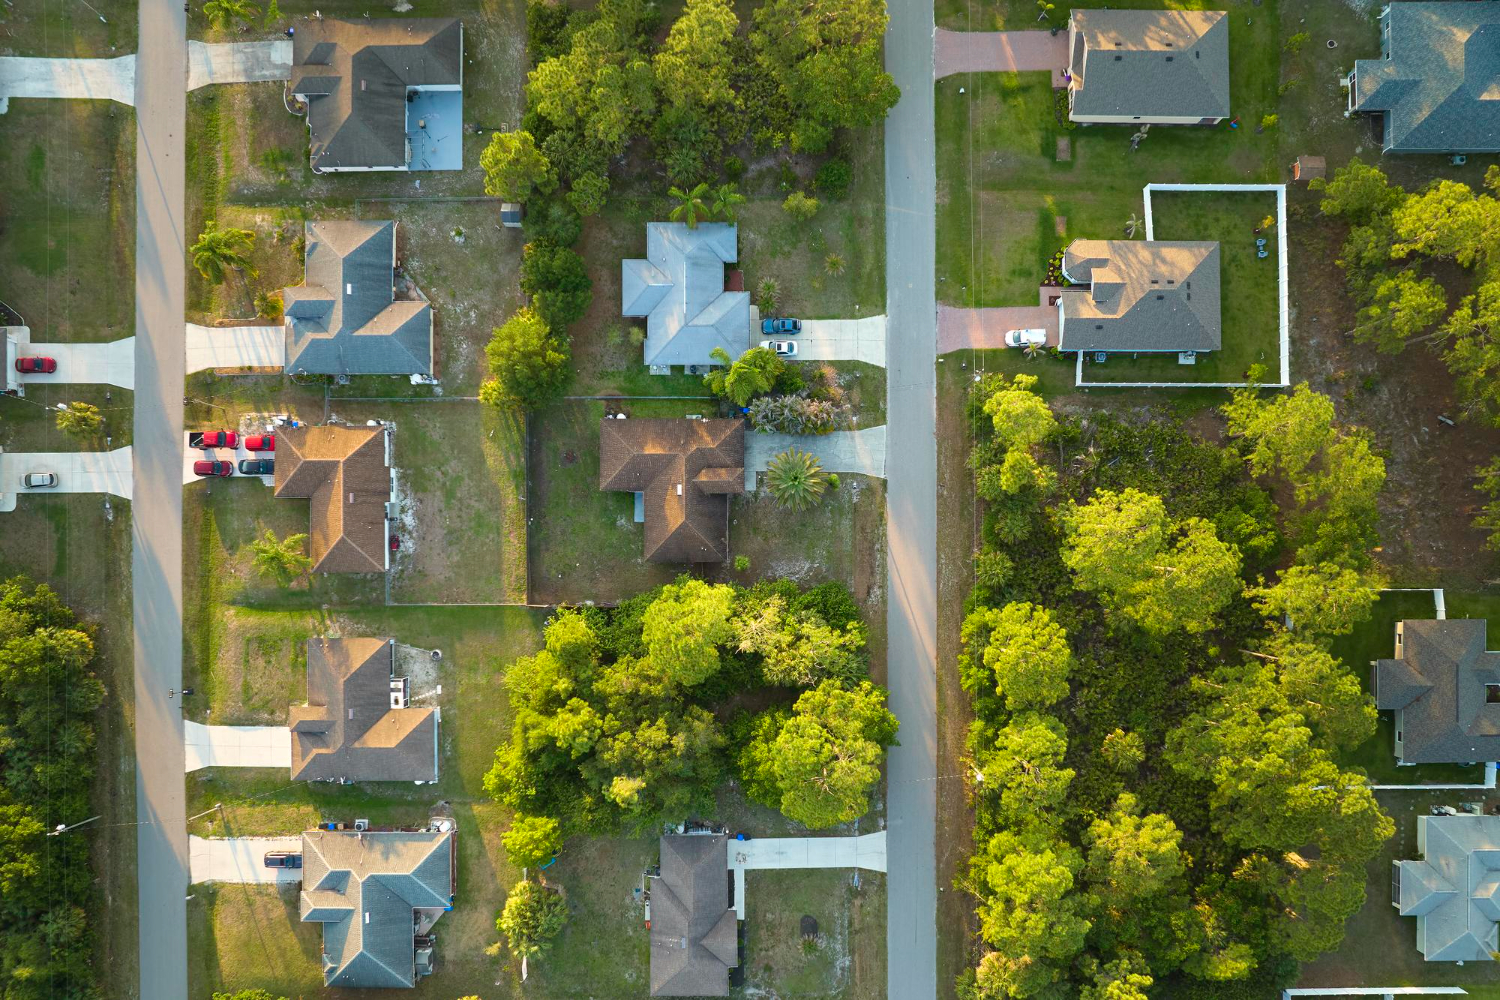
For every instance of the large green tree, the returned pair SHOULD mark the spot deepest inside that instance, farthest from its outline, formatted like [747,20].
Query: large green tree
[695,64]
[532,917]
[558,282]
[219,248]
[1023,654]
[513,167]
[684,628]
[531,840]
[1021,778]
[1029,910]
[528,366]
[1401,307]
[1320,599]
[738,380]
[798,648]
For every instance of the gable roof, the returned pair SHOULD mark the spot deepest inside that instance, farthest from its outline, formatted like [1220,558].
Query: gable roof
[694,932]
[687,470]
[1134,295]
[363,889]
[343,471]
[348,729]
[1453,891]
[1437,680]
[679,288]
[1150,63]
[354,76]
[1438,81]
[344,318]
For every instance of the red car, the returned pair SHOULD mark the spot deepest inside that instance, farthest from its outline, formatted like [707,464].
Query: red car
[213,468]
[220,439]
[260,442]
[36,366]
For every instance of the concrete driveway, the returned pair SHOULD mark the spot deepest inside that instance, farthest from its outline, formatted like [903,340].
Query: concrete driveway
[842,340]
[101,79]
[77,472]
[111,363]
[231,455]
[867,851]
[240,859]
[861,451]
[236,746]
[238,62]
[963,329]
[1000,52]
[235,347]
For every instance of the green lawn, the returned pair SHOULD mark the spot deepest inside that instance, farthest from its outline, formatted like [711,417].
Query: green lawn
[102,31]
[844,960]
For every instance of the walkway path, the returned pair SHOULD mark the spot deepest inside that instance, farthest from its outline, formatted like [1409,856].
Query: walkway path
[235,347]
[236,746]
[77,472]
[861,451]
[911,503]
[961,329]
[1000,52]
[156,514]
[242,859]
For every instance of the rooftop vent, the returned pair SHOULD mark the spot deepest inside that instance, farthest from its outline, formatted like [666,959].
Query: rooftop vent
[1119,58]
[1169,58]
[348,288]
[1160,297]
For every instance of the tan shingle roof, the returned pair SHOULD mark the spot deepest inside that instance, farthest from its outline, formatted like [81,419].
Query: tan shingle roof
[1131,295]
[342,470]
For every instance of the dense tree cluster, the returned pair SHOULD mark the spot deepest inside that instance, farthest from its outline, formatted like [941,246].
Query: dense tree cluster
[48,695]
[615,723]
[1159,721]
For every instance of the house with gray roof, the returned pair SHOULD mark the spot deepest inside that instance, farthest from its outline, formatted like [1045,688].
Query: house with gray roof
[1140,296]
[377,895]
[680,289]
[1436,85]
[384,93]
[1444,687]
[345,318]
[1153,67]
[1454,890]
[694,930]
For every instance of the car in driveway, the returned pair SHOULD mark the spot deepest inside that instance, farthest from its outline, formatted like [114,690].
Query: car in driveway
[36,366]
[208,468]
[770,327]
[1025,338]
[39,481]
[282,859]
[216,439]
[783,348]
[257,467]
[260,442]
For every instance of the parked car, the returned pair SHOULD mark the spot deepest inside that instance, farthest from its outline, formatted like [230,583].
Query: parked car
[1025,338]
[283,859]
[220,439]
[395,543]
[207,468]
[39,481]
[36,366]
[783,348]
[260,442]
[787,326]
[257,467]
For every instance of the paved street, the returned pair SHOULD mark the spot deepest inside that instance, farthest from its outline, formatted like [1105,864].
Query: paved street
[156,522]
[911,525]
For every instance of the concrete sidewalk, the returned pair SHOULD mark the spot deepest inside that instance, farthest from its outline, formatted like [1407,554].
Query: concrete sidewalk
[842,340]
[1000,52]
[240,859]
[77,472]
[235,347]
[236,746]
[238,62]
[861,451]
[89,79]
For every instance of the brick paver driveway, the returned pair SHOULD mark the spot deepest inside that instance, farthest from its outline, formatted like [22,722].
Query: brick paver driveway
[1000,52]
[961,329]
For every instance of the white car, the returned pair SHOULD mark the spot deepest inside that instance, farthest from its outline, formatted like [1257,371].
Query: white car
[783,348]
[1025,338]
[38,480]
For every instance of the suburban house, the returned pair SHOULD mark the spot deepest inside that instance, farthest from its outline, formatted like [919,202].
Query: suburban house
[346,473]
[377,895]
[1140,296]
[681,290]
[382,93]
[1454,891]
[345,319]
[1444,687]
[1155,67]
[694,931]
[1434,86]
[358,723]
[683,473]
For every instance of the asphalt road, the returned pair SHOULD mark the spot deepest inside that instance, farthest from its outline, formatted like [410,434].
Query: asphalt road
[911,500]
[156,511]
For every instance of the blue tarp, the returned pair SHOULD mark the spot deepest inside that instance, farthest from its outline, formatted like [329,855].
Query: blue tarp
[435,127]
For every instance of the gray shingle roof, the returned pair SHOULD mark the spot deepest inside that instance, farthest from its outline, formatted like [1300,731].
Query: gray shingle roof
[364,888]
[679,288]
[1438,81]
[1454,892]
[354,76]
[1133,295]
[1150,64]
[344,318]
[694,933]
[1437,681]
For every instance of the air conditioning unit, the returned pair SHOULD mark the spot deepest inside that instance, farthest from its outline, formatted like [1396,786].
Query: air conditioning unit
[361,825]
[400,692]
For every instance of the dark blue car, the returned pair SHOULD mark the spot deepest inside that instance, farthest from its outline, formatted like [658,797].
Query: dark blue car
[773,326]
[257,467]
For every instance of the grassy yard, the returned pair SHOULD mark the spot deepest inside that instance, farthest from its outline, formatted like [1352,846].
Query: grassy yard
[846,958]
[29,423]
[69,29]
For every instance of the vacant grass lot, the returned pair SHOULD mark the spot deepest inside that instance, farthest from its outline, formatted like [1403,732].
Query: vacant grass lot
[68,29]
[845,959]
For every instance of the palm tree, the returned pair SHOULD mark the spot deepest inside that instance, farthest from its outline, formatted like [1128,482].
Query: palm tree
[834,264]
[280,559]
[690,205]
[1045,8]
[796,479]
[218,248]
[727,201]
[221,12]
[1131,225]
[737,381]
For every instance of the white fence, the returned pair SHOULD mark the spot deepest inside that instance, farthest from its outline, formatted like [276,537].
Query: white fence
[1284,310]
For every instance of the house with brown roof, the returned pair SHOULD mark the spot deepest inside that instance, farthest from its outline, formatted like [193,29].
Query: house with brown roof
[685,471]
[358,723]
[346,474]
[1444,687]
[694,931]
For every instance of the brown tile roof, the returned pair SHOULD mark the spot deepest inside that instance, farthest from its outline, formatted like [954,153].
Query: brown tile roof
[348,728]
[694,933]
[343,471]
[687,470]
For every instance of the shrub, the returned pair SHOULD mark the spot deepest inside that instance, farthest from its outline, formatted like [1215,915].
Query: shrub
[268,305]
[833,480]
[800,206]
[532,917]
[798,415]
[766,294]
[553,220]
[1294,43]
[1269,122]
[734,168]
[833,177]
[557,281]
[741,563]
[834,264]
